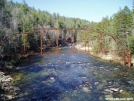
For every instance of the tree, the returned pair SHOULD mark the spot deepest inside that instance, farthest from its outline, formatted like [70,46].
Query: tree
[123,25]
[59,23]
[132,44]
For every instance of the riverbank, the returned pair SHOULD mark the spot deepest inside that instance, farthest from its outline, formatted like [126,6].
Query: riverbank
[7,64]
[108,57]
[7,89]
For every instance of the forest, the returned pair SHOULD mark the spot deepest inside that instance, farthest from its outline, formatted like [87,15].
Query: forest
[18,18]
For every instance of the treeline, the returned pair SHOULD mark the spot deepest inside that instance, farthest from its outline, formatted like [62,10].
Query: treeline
[17,18]
[116,31]
[22,18]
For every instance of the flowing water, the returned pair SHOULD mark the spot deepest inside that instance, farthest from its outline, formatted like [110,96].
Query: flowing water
[72,77]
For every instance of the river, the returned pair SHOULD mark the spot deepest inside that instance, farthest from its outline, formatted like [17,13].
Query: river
[72,77]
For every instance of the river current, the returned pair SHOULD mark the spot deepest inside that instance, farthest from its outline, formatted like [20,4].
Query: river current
[72,77]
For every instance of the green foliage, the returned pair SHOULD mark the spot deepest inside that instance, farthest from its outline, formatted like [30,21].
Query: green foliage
[80,36]
[96,47]
[59,23]
[120,24]
[26,18]
[132,44]
[123,21]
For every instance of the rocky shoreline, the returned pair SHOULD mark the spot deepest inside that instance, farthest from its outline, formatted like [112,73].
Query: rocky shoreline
[7,89]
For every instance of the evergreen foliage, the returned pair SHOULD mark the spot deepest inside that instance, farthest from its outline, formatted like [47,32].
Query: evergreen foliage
[17,18]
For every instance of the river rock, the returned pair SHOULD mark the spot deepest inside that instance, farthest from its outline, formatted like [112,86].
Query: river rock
[114,89]
[16,88]
[9,67]
[52,78]
[79,63]
[4,86]
[96,83]
[9,97]
[2,73]
[107,91]
[85,83]
[82,76]
[80,85]
[130,82]
[101,67]
[121,91]
[85,89]
[7,80]
[68,63]
[115,69]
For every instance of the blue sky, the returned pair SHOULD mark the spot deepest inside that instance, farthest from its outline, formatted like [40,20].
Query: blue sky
[91,10]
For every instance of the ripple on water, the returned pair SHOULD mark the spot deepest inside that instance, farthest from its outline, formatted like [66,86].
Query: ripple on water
[76,77]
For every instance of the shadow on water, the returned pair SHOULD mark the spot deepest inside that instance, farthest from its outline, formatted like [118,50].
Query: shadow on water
[48,94]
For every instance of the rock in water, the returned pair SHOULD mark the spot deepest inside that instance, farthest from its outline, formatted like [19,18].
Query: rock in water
[121,91]
[9,97]
[68,62]
[96,83]
[85,89]
[79,63]
[108,91]
[114,89]
[52,78]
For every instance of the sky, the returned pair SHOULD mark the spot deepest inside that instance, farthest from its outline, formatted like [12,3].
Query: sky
[91,10]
